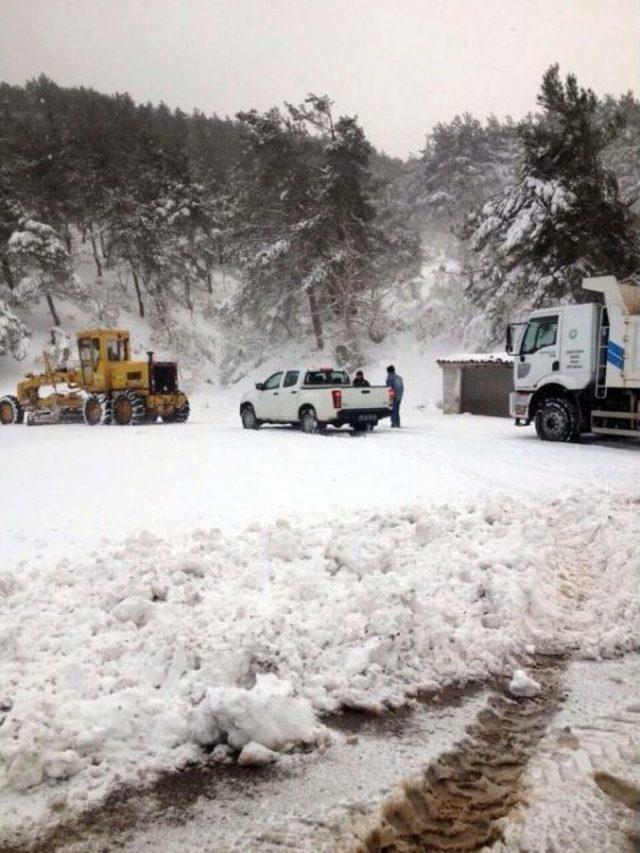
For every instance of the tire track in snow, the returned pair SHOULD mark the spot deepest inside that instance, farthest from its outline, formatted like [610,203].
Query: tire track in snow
[462,797]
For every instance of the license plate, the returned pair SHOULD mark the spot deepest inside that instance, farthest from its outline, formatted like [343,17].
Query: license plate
[367,418]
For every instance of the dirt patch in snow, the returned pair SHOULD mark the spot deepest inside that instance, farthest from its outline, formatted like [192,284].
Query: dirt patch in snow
[461,799]
[129,809]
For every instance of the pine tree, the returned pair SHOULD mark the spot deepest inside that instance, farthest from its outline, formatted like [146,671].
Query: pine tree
[14,335]
[42,266]
[564,219]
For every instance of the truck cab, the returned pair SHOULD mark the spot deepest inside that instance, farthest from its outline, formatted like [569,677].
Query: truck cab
[574,369]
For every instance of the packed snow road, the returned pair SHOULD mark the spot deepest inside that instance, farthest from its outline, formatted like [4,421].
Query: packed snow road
[65,488]
[169,589]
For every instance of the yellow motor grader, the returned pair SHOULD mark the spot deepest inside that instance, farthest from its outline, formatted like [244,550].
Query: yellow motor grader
[107,387]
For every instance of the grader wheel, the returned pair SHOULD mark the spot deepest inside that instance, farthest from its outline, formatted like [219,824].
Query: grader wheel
[179,415]
[128,408]
[11,412]
[97,410]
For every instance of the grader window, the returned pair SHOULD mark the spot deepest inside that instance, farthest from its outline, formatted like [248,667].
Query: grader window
[116,350]
[85,351]
[95,352]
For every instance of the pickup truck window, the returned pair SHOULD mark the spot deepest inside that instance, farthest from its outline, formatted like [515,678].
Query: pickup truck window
[326,377]
[290,378]
[273,381]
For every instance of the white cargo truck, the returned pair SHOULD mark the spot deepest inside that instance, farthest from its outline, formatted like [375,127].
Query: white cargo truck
[313,398]
[577,367]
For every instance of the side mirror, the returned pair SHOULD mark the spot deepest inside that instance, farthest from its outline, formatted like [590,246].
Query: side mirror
[260,386]
[509,342]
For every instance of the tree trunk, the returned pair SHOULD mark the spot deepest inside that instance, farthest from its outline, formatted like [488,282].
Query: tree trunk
[136,284]
[94,249]
[315,317]
[52,308]
[8,274]
[67,237]
[209,281]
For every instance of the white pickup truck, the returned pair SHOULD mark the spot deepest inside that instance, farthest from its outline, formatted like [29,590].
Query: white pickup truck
[313,398]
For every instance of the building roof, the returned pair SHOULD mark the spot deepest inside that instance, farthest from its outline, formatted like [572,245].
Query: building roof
[476,358]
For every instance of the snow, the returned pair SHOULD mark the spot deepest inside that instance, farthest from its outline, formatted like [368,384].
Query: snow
[594,740]
[523,686]
[477,358]
[256,755]
[136,629]
[169,589]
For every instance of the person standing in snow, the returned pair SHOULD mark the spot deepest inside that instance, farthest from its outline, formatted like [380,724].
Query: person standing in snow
[360,381]
[397,386]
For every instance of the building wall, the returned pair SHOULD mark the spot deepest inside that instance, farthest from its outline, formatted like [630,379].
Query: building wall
[451,388]
[485,389]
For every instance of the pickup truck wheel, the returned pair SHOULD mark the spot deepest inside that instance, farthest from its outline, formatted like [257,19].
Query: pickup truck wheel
[309,421]
[558,419]
[249,419]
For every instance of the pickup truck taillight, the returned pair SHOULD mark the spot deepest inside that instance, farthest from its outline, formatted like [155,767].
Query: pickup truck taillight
[391,396]
[337,398]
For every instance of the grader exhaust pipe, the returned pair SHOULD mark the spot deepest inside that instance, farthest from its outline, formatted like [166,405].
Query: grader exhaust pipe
[151,382]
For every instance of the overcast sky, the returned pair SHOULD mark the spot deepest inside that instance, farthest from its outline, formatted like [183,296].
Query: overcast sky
[401,65]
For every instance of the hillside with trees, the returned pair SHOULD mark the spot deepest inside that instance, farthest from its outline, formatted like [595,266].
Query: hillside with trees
[326,240]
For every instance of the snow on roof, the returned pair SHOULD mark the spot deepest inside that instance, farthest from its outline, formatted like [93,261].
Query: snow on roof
[476,358]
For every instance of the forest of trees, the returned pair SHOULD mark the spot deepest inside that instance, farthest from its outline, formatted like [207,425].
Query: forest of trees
[287,200]
[316,226]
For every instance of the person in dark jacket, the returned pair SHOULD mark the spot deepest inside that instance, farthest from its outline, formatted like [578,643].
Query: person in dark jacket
[360,381]
[397,386]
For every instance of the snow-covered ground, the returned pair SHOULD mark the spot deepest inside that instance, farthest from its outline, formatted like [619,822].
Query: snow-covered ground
[165,588]
[169,586]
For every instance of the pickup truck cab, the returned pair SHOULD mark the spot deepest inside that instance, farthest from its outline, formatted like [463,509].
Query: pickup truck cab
[313,398]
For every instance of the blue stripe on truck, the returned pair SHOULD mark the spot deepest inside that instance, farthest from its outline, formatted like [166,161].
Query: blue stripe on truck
[615,355]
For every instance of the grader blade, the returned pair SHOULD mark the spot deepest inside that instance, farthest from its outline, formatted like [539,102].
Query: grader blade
[46,417]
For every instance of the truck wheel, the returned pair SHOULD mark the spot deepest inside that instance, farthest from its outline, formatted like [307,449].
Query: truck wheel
[558,419]
[97,410]
[11,412]
[128,408]
[309,421]
[249,419]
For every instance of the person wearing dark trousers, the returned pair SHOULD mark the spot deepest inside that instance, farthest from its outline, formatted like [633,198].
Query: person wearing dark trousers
[397,386]
[360,381]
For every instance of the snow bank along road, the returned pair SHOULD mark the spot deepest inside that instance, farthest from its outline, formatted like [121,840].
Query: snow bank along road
[167,589]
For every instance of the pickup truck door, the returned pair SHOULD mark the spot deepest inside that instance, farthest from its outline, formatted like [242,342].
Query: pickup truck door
[269,400]
[289,399]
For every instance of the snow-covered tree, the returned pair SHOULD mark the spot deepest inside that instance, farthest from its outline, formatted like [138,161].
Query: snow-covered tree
[563,220]
[14,335]
[463,164]
[42,266]
[305,214]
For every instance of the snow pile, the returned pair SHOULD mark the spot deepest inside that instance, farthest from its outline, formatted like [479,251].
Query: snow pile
[523,686]
[128,662]
[268,714]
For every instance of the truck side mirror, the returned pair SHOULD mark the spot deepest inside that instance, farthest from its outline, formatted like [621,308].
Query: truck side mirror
[260,386]
[509,343]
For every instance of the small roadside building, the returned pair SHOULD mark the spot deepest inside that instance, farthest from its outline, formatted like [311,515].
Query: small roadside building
[479,383]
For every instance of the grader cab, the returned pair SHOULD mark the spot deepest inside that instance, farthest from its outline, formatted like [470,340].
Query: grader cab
[106,387]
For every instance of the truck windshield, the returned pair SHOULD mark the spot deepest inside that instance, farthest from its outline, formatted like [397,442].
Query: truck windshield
[326,377]
[540,332]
